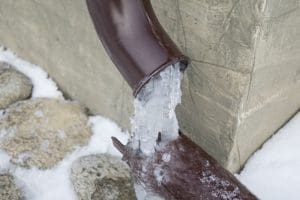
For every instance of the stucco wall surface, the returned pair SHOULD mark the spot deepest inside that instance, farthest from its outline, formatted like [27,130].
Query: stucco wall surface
[244,81]
[59,36]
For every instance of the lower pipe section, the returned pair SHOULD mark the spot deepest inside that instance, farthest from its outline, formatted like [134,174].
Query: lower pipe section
[181,170]
[134,39]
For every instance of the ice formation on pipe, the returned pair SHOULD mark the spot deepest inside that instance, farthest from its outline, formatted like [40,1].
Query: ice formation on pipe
[155,110]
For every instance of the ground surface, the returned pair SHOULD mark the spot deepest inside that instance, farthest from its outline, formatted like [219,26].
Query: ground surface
[273,171]
[53,183]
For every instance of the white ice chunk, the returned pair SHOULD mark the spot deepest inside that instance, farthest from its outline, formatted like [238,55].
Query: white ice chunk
[155,110]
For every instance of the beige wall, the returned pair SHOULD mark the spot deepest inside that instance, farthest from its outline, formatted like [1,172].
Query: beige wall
[59,36]
[242,85]
[273,94]
[244,80]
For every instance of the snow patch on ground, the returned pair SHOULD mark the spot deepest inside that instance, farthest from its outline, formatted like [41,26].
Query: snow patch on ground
[43,85]
[4,161]
[273,172]
[55,183]
[103,130]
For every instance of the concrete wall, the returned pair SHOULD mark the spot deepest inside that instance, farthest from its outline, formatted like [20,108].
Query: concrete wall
[242,85]
[273,94]
[244,80]
[59,36]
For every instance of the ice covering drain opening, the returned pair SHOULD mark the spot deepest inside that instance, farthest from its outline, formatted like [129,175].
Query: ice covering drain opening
[155,110]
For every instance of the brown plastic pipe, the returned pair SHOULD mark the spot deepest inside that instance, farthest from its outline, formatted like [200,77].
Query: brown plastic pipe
[188,174]
[140,48]
[134,39]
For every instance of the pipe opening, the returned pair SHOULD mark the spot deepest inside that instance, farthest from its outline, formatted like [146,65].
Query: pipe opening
[155,110]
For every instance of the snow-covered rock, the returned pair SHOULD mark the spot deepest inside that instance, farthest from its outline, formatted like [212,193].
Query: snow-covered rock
[102,177]
[43,85]
[14,86]
[41,132]
[8,188]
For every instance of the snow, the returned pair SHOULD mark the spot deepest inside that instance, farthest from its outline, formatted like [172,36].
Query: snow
[4,161]
[219,186]
[166,157]
[271,174]
[55,183]
[159,174]
[273,171]
[142,194]
[105,129]
[43,85]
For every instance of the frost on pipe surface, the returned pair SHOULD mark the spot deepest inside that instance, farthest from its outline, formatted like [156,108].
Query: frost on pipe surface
[182,171]
[155,110]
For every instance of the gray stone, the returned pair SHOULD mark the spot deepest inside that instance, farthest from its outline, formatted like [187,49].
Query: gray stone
[8,188]
[41,132]
[3,67]
[14,86]
[102,177]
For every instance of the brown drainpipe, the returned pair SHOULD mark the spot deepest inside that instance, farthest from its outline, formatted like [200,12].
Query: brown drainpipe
[140,48]
[134,39]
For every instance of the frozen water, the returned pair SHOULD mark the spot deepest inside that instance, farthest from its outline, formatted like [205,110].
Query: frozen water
[155,110]
[155,113]
[273,171]
[220,187]
[143,194]
[55,183]
[4,161]
[166,157]
[43,86]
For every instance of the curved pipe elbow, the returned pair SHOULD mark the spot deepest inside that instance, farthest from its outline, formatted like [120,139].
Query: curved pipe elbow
[134,39]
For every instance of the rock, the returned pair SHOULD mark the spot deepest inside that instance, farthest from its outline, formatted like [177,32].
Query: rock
[14,86]
[3,67]
[41,132]
[102,177]
[8,189]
